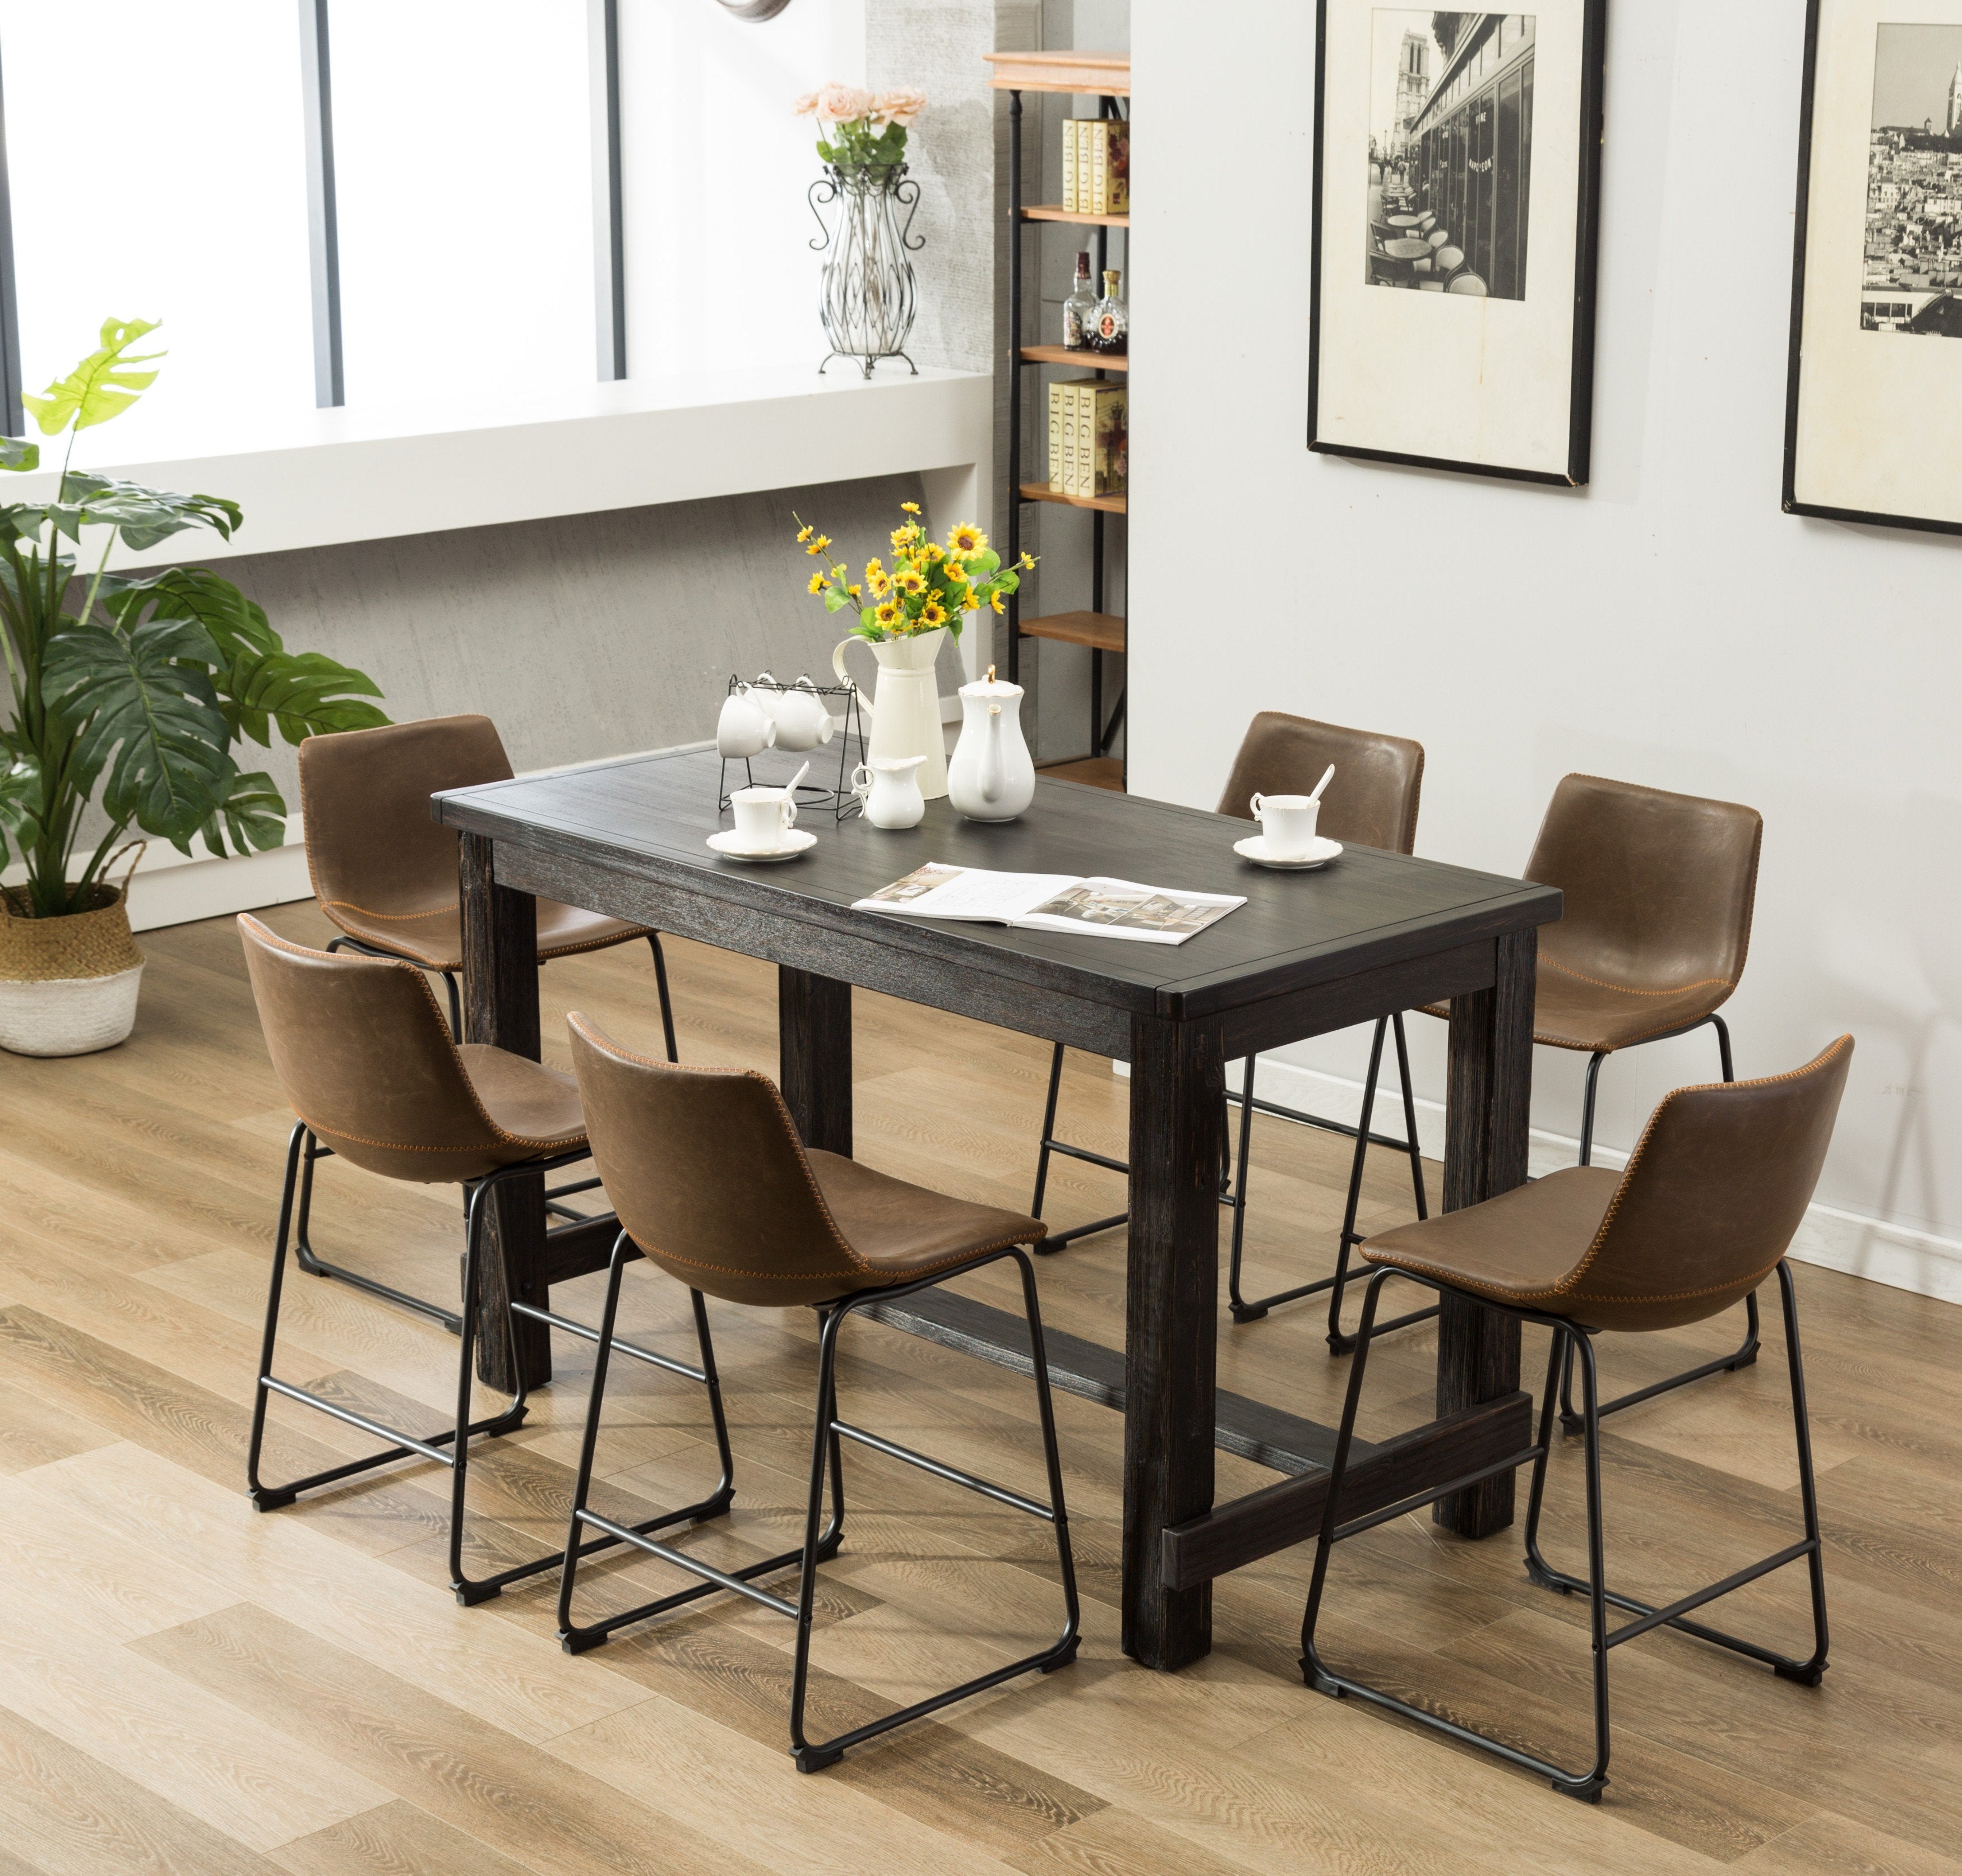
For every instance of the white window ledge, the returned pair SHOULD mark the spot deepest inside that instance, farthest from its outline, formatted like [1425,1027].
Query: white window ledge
[334,476]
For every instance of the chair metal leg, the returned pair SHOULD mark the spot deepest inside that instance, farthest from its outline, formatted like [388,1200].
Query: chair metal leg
[1057,1240]
[815,1757]
[1410,1118]
[1743,1355]
[1235,1302]
[661,984]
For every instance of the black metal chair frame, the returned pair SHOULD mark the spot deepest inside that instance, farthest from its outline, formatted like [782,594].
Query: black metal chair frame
[1743,1355]
[818,1546]
[1233,1183]
[1586,1785]
[314,1265]
[302,1149]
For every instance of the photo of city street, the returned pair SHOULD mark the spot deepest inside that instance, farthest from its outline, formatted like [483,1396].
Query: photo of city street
[1912,281]
[1451,98]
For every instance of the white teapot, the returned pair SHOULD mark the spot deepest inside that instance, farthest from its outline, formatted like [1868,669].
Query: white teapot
[990,776]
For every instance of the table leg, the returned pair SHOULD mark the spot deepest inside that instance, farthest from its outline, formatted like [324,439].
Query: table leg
[1177,1126]
[500,1005]
[1489,1092]
[814,1057]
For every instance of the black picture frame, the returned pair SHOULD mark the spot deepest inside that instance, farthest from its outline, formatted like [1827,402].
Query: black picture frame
[1919,524]
[1580,413]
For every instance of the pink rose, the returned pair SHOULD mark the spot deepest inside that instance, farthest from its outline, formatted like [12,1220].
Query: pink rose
[806,105]
[900,107]
[842,104]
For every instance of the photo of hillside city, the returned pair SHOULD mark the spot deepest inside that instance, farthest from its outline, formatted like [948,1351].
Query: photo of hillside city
[1913,277]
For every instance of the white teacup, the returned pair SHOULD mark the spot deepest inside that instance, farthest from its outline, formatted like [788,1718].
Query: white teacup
[745,728]
[803,721]
[1287,823]
[763,817]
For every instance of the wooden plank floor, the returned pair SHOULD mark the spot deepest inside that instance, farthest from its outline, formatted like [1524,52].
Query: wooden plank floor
[187,1687]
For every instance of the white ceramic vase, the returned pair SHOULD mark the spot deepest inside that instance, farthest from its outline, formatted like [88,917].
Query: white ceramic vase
[905,709]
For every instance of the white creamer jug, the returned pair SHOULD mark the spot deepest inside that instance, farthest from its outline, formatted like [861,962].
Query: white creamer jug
[992,776]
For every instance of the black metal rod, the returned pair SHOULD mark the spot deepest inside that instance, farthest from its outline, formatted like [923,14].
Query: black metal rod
[1014,554]
[953,1474]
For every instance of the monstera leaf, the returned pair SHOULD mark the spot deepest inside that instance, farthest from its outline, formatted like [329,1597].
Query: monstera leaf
[146,711]
[15,454]
[234,624]
[142,516]
[102,386]
[252,810]
[304,692]
[20,798]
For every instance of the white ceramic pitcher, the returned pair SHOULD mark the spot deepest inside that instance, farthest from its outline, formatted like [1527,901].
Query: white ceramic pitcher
[992,776]
[905,713]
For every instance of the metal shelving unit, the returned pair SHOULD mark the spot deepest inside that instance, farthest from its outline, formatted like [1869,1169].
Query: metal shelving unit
[1106,77]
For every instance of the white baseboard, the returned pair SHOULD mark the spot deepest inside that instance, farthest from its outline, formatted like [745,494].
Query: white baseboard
[1894,1255]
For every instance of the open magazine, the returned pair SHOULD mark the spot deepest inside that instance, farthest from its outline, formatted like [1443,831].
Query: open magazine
[1053,902]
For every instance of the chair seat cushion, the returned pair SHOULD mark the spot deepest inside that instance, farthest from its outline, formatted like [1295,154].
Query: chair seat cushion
[434,938]
[1515,1249]
[903,1231]
[1573,1011]
[537,1107]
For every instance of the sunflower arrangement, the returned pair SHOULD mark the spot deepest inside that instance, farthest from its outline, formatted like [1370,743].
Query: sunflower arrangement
[929,583]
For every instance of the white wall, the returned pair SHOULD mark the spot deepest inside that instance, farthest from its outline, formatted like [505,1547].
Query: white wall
[1668,625]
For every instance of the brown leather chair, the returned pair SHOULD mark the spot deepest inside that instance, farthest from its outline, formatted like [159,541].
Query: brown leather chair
[1704,1214]
[1659,891]
[1371,802]
[386,874]
[712,1185]
[366,1062]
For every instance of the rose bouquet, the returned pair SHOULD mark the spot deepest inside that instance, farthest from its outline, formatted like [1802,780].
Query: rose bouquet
[864,127]
[928,586]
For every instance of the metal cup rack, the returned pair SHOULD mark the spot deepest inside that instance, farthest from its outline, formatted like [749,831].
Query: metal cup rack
[838,801]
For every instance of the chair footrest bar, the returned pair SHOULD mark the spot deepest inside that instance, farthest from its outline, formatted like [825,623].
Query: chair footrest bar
[621,1345]
[319,1267]
[1671,1615]
[1095,1159]
[953,1474]
[713,1578]
[1261,1105]
[1057,1239]
[707,1508]
[406,1443]
[1735,1359]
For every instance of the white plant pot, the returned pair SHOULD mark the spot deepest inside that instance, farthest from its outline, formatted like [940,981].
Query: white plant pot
[68,1015]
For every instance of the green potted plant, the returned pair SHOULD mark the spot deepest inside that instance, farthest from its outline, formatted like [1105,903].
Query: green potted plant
[130,693]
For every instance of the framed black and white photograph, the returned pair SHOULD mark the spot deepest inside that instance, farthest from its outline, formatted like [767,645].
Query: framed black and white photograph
[1457,172]
[1876,374]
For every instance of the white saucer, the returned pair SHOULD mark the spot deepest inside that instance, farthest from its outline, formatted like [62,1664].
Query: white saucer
[1254,848]
[796,841]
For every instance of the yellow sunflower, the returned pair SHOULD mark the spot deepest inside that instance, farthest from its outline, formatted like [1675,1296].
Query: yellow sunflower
[820,545]
[909,508]
[1028,561]
[816,583]
[932,613]
[967,539]
[889,615]
[910,582]
[873,567]
[880,581]
[904,537]
[934,552]
[854,592]
[995,600]
[804,534]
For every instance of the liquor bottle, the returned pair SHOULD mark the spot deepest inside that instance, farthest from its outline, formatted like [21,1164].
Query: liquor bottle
[1110,324]
[1078,308]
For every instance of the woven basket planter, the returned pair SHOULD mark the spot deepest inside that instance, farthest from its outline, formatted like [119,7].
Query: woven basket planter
[68,987]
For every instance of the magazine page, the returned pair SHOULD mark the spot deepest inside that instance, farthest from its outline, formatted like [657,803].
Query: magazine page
[1122,909]
[937,891]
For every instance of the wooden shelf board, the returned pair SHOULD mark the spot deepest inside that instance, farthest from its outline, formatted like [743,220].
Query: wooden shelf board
[1102,631]
[1096,772]
[1041,492]
[1079,355]
[1055,212]
[1094,73]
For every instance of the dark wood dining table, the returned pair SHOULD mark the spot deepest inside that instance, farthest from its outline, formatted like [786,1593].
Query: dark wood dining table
[1310,952]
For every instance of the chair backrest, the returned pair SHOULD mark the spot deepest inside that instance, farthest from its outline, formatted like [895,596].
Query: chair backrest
[709,1179]
[1438,237]
[1467,282]
[1372,801]
[1448,256]
[1720,1179]
[1659,887]
[365,801]
[365,1060]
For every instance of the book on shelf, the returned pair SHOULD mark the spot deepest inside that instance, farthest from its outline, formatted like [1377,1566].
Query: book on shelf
[1109,166]
[1053,902]
[1071,187]
[1090,452]
[1057,474]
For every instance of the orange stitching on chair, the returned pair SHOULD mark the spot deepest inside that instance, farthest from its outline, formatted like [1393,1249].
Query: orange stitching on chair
[392,918]
[1623,990]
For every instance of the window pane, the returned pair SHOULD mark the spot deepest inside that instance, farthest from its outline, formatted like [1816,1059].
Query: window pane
[463,158]
[159,172]
[720,269]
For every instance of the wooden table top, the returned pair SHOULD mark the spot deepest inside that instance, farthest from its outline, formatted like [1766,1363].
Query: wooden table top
[648,817]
